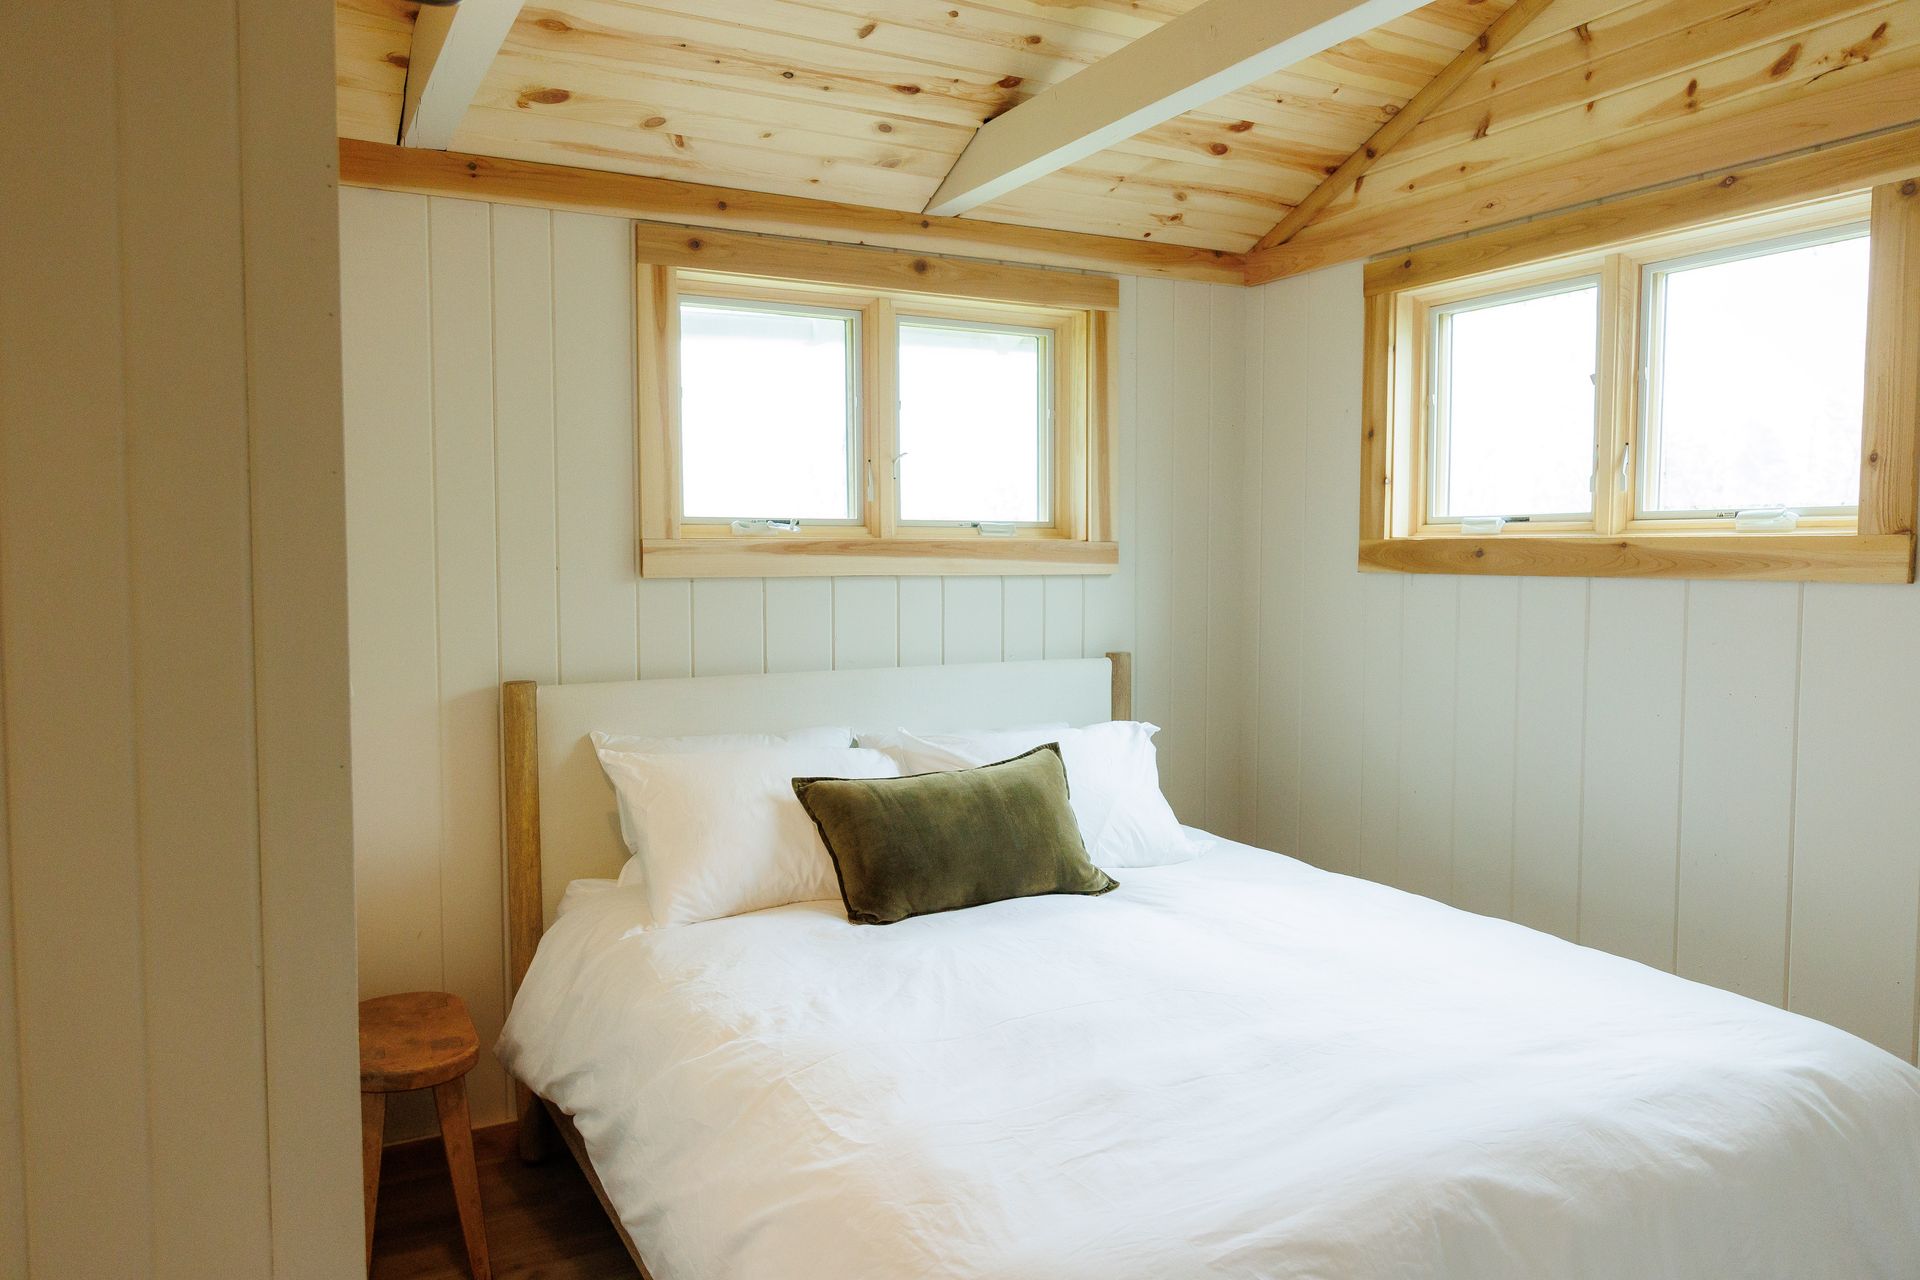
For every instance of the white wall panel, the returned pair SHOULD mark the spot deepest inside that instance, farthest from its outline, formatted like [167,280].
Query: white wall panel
[1856,834]
[921,635]
[1630,818]
[467,623]
[593,456]
[1064,618]
[799,624]
[1737,773]
[1484,724]
[523,399]
[1429,633]
[1229,553]
[729,626]
[1023,619]
[1381,642]
[173,639]
[1549,753]
[866,622]
[1276,471]
[665,628]
[489,367]
[1713,777]
[386,317]
[1315,331]
[970,619]
[1150,543]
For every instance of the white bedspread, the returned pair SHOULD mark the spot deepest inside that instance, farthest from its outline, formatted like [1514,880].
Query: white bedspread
[1238,1066]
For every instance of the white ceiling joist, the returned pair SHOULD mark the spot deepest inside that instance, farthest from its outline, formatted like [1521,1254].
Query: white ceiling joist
[1203,55]
[453,45]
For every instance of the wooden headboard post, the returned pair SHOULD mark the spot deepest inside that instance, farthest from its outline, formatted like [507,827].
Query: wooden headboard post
[1122,685]
[526,903]
[526,912]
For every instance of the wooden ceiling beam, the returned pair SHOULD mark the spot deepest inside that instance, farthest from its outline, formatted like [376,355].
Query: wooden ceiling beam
[1499,33]
[1203,55]
[623,195]
[453,45]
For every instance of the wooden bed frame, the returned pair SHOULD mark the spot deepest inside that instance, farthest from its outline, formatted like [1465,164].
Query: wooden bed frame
[526,903]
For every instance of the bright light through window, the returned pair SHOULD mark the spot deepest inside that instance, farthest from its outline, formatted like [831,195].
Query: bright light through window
[1757,380]
[1515,401]
[766,412]
[974,436]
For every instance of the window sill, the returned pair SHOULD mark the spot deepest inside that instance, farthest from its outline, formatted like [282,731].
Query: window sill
[1761,557]
[855,557]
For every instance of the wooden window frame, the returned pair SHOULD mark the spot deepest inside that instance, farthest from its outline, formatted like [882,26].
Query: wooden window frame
[882,287]
[1403,291]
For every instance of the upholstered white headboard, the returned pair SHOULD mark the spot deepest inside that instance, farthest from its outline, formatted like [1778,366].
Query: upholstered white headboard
[561,823]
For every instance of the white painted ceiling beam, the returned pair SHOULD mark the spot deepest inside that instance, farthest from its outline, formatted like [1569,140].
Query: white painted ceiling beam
[453,45]
[1203,55]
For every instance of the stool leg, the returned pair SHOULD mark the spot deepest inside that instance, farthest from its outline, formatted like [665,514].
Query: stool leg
[456,1133]
[373,1122]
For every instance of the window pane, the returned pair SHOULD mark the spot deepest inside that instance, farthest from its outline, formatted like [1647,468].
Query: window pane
[973,433]
[766,412]
[1516,418]
[1759,378]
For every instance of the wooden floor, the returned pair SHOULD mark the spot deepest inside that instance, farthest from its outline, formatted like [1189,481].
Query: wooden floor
[543,1222]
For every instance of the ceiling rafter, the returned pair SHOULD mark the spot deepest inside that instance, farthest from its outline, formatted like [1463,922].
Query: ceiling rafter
[453,46]
[1205,54]
[1499,33]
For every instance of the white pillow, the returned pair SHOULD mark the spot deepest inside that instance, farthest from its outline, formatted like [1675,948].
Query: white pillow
[832,736]
[945,752]
[1113,782]
[722,832]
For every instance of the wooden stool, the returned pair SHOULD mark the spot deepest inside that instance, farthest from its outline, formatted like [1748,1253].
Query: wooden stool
[422,1040]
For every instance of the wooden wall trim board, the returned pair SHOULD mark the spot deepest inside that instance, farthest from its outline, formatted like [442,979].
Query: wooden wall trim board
[1888,481]
[1496,37]
[1216,49]
[858,558]
[746,253]
[1853,108]
[1802,557]
[1722,194]
[544,186]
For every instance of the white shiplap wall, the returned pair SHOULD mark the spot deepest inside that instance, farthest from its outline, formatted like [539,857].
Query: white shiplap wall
[490,462]
[1714,778]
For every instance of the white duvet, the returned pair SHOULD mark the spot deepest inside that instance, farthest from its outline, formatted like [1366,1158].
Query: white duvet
[1237,1066]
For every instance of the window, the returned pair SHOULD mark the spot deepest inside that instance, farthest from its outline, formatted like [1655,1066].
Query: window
[784,441]
[847,421]
[976,429]
[1514,408]
[1755,373]
[1697,402]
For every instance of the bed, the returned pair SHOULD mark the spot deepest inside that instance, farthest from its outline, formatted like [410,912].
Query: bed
[1237,1065]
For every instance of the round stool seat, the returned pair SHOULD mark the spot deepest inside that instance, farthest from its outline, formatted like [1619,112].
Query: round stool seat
[415,1040]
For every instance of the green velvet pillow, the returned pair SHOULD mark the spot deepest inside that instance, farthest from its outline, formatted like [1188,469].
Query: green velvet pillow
[941,841]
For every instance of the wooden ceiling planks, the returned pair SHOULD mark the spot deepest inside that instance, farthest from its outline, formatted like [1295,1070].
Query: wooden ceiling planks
[1732,84]
[870,101]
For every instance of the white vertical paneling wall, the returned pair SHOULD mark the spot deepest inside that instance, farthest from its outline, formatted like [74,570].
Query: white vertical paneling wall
[1714,778]
[176,956]
[489,380]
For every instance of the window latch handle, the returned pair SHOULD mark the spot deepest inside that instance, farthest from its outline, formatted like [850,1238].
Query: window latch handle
[1626,461]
